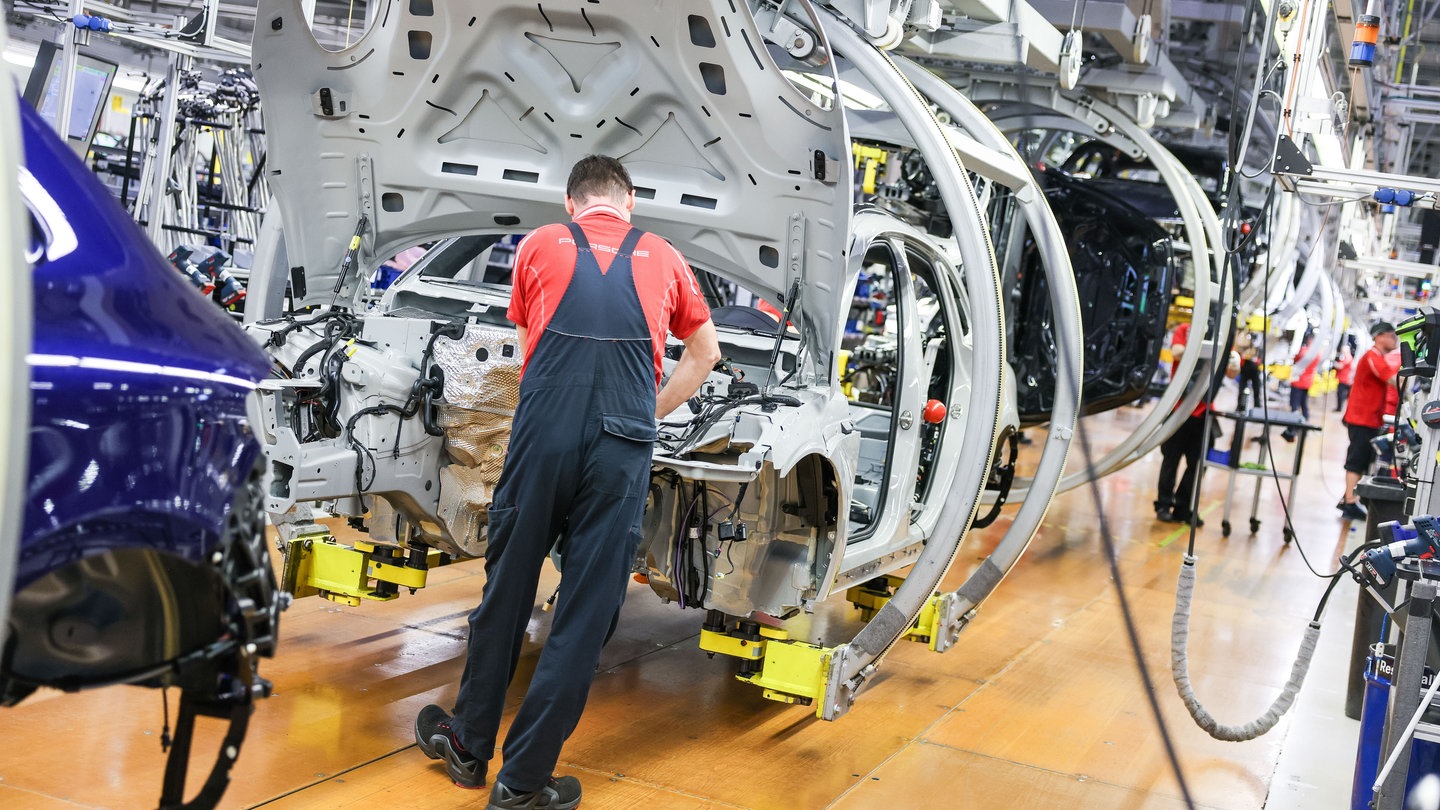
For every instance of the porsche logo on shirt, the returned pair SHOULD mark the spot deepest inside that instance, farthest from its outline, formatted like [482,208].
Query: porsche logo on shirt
[639,254]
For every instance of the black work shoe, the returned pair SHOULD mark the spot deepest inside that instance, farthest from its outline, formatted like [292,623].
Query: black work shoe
[1167,516]
[560,793]
[1352,511]
[1189,520]
[437,740]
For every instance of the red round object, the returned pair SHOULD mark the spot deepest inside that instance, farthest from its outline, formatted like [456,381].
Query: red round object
[935,412]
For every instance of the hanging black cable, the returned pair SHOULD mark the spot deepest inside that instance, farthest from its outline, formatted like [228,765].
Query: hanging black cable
[1107,538]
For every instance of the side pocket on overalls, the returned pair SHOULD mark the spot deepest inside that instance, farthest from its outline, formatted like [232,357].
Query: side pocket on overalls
[499,524]
[625,447]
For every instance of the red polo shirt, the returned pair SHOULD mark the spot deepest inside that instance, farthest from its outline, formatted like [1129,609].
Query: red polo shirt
[1345,369]
[1179,338]
[545,262]
[1307,377]
[1366,406]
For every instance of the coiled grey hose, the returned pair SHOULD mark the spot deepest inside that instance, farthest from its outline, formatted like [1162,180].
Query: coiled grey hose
[1179,669]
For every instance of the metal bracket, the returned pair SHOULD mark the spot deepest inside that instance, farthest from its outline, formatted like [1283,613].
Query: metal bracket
[839,692]
[795,245]
[826,170]
[315,564]
[327,103]
[777,27]
[788,671]
[1289,160]
[365,168]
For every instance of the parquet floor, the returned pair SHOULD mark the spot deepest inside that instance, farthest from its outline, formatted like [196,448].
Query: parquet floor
[1040,705]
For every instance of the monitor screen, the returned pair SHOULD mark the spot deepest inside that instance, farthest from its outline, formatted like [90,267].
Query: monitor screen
[91,91]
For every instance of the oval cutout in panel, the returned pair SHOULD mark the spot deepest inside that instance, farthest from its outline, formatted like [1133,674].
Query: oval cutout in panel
[769,256]
[700,33]
[714,78]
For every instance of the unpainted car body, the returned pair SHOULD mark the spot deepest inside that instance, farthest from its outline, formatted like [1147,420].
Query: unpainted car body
[778,489]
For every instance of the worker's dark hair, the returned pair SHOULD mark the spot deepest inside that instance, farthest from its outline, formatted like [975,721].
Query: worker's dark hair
[598,176]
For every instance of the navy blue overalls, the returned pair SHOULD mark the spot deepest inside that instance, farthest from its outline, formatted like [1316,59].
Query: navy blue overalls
[578,468]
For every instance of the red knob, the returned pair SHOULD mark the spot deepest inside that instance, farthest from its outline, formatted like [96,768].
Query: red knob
[935,412]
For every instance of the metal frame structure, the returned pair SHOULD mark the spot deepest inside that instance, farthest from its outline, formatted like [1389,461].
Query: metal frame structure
[1202,229]
[1037,493]
[851,665]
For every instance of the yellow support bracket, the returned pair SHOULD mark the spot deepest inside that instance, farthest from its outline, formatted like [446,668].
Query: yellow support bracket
[315,564]
[870,599]
[793,672]
[872,158]
[733,646]
[786,670]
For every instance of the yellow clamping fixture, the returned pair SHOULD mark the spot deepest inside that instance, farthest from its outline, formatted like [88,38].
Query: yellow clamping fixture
[316,564]
[872,158]
[786,670]
[872,595]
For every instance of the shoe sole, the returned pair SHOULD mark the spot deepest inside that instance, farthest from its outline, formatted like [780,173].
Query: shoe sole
[438,747]
[566,806]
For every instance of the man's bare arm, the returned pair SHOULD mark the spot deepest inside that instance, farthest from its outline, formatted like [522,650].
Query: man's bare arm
[702,352]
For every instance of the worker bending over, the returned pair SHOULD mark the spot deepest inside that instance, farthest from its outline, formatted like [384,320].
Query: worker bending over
[592,303]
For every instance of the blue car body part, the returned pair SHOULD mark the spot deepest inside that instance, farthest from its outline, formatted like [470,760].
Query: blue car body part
[143,557]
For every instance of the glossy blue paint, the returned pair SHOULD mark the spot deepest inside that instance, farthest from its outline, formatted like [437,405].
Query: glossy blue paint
[139,436]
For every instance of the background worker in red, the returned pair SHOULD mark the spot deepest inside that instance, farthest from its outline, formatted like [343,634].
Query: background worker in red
[1344,377]
[1172,504]
[592,302]
[1176,504]
[1300,382]
[1365,413]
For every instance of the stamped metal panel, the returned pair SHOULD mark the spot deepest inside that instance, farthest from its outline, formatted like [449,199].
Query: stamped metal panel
[466,119]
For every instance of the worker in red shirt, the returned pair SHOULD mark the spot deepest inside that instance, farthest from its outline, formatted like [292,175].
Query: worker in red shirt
[592,303]
[1300,388]
[1344,377]
[1365,413]
[1172,504]
[1300,385]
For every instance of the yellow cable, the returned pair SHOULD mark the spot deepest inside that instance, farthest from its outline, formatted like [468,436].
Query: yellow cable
[1400,62]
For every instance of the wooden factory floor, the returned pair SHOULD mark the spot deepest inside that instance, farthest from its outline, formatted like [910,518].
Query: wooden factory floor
[1040,704]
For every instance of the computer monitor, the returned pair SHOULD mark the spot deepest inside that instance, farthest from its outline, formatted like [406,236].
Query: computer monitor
[93,79]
